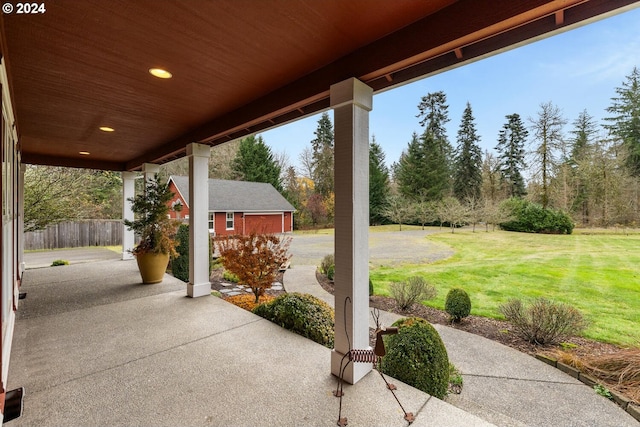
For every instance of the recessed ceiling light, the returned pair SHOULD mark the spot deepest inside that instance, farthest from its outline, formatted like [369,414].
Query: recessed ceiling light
[106,129]
[84,153]
[160,73]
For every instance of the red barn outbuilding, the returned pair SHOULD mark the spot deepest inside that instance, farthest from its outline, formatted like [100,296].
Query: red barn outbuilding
[237,207]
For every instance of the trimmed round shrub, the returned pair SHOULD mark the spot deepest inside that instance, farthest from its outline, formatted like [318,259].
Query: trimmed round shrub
[416,355]
[303,314]
[457,304]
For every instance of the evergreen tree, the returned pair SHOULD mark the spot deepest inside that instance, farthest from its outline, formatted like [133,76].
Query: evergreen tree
[435,171]
[408,170]
[378,183]
[322,157]
[548,138]
[434,114]
[436,151]
[255,162]
[467,179]
[625,122]
[510,150]
[584,133]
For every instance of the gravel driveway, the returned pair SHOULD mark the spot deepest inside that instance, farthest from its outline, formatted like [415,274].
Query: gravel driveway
[385,248]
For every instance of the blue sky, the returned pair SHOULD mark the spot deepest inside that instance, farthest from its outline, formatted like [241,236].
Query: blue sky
[575,70]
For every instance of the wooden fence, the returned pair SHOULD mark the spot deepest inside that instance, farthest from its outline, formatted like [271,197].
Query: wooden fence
[99,232]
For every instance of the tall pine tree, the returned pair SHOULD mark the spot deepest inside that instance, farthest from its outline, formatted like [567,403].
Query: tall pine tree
[408,172]
[436,173]
[434,114]
[511,153]
[467,175]
[548,141]
[322,157]
[584,133]
[255,162]
[435,146]
[378,184]
[625,121]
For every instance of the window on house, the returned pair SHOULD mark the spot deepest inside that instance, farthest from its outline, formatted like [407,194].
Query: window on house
[229,220]
[211,222]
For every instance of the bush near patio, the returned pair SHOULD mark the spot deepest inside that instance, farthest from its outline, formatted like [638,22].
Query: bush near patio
[254,259]
[542,321]
[328,266]
[595,273]
[180,263]
[414,290]
[457,304]
[417,356]
[303,314]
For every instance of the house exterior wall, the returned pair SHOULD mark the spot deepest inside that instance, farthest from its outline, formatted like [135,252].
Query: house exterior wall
[288,222]
[11,183]
[245,223]
[268,222]
[184,213]
[221,224]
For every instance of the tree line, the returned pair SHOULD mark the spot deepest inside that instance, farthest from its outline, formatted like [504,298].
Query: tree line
[589,170]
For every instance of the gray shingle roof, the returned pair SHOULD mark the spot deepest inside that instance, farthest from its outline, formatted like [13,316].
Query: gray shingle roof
[238,196]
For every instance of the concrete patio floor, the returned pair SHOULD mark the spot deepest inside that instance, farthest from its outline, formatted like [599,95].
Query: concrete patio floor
[93,347]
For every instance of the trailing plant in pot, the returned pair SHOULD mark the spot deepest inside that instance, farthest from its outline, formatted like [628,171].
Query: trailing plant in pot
[154,228]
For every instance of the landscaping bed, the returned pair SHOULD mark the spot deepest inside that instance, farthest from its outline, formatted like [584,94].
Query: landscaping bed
[496,330]
[493,329]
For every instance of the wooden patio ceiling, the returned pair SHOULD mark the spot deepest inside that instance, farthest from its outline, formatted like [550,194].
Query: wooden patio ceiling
[239,66]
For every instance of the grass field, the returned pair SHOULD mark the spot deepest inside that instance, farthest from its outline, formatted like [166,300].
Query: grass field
[597,273]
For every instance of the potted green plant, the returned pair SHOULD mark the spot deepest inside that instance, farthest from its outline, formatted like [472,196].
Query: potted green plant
[155,230]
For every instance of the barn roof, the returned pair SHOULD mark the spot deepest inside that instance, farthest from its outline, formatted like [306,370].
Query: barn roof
[238,196]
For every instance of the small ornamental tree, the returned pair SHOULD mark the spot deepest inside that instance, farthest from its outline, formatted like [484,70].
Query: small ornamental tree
[255,258]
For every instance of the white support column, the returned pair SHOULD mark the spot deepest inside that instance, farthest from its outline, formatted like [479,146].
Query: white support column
[351,101]
[199,284]
[128,192]
[21,263]
[149,170]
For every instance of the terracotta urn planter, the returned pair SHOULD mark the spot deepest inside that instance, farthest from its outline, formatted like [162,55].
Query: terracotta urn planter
[152,266]
[155,229]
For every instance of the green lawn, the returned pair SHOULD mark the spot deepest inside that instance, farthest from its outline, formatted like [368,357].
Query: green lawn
[597,273]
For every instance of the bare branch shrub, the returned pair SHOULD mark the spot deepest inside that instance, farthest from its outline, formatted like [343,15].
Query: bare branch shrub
[415,289]
[543,321]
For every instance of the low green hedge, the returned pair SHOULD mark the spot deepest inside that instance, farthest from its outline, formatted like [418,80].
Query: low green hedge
[303,314]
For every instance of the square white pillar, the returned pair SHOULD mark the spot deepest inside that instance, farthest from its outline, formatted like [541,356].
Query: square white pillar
[199,257]
[351,101]
[21,263]
[128,192]
[149,170]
